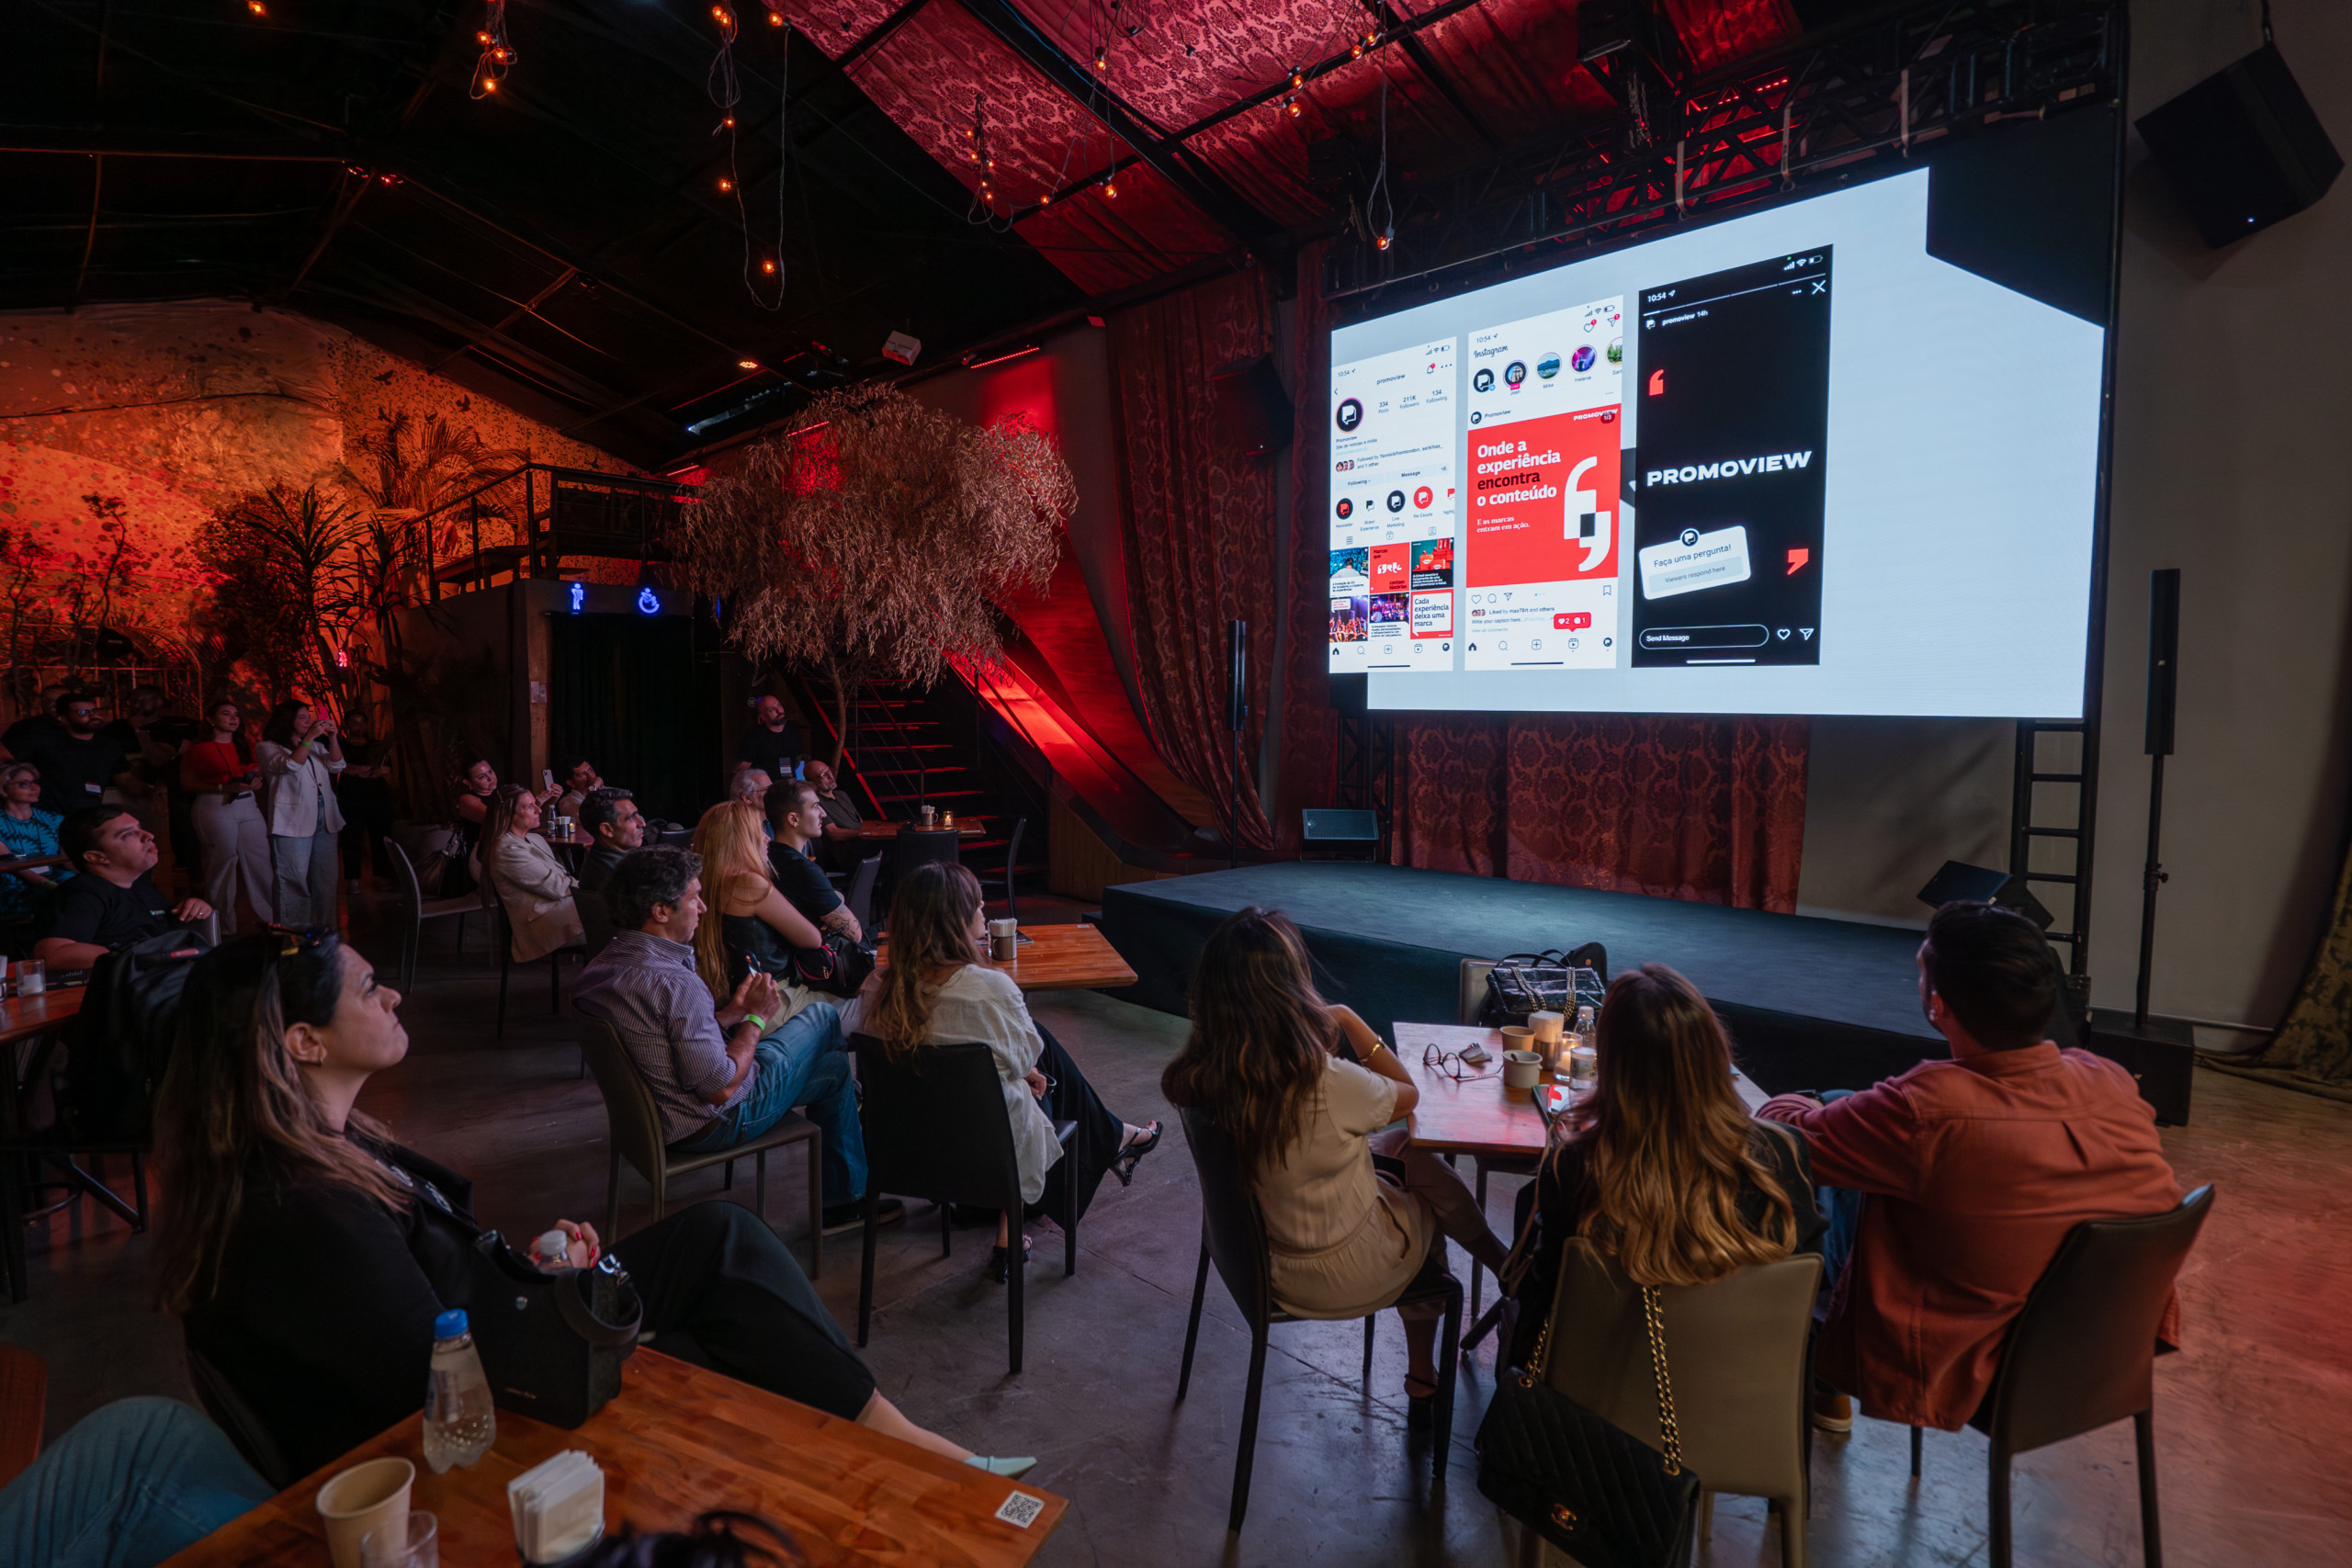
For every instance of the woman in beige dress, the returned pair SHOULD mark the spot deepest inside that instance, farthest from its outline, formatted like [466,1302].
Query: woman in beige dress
[1270,1057]
[527,877]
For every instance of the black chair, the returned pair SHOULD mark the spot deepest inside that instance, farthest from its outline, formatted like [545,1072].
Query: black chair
[1233,1233]
[27,1151]
[931,1133]
[238,1419]
[1011,861]
[2082,1353]
[860,896]
[502,933]
[596,921]
[415,910]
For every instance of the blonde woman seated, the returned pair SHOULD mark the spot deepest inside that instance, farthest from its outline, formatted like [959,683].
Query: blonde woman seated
[939,990]
[800,1054]
[1353,1213]
[1662,1165]
[529,881]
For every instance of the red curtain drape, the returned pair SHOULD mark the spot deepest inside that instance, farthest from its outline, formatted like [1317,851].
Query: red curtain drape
[1710,810]
[1197,529]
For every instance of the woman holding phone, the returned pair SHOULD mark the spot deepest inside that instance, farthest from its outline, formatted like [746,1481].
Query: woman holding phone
[299,755]
[221,777]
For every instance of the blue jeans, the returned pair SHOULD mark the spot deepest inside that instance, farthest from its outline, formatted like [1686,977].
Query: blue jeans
[800,1063]
[127,1488]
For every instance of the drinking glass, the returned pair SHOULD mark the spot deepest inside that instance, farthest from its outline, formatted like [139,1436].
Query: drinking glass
[410,1542]
[32,977]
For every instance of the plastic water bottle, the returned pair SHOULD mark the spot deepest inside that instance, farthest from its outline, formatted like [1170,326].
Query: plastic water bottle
[461,1422]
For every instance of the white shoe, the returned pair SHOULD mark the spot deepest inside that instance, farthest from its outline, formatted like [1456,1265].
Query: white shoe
[1011,1469]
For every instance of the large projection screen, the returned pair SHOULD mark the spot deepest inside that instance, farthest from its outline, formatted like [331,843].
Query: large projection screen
[1841,455]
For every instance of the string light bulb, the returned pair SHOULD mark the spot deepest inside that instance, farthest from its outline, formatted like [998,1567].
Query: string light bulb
[1383,240]
[1356,53]
[775,20]
[1298,77]
[497,54]
[1291,103]
[726,184]
[256,7]
[747,365]
[1102,59]
[767,265]
[1111,187]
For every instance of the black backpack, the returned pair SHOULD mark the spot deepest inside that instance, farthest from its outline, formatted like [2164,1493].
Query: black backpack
[122,1038]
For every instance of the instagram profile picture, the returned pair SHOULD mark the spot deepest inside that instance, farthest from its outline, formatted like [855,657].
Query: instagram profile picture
[1484,381]
[1583,358]
[1351,413]
[1515,372]
[1548,366]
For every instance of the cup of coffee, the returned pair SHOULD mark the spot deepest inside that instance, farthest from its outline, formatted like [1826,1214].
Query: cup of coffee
[1004,941]
[365,1498]
[928,815]
[1522,1069]
[1518,1037]
[1547,1027]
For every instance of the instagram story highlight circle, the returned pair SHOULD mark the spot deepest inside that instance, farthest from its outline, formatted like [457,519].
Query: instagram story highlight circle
[1548,365]
[1617,351]
[1515,373]
[1346,508]
[1476,416]
[1484,381]
[1423,497]
[1351,413]
[1582,359]
[1395,500]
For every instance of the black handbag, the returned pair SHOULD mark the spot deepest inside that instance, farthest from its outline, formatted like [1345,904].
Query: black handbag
[1587,1486]
[1524,982]
[838,968]
[551,1343]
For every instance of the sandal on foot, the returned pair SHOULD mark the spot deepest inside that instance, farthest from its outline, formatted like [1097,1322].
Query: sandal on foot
[1123,1168]
[997,1257]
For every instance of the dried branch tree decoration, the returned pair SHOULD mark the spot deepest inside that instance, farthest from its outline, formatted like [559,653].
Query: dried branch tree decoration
[877,541]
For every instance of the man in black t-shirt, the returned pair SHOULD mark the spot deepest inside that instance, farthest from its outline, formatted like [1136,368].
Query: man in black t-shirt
[78,763]
[841,849]
[613,823]
[772,744]
[13,739]
[115,900]
[797,818]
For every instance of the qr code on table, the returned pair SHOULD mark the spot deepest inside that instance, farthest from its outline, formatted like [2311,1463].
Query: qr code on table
[1021,1509]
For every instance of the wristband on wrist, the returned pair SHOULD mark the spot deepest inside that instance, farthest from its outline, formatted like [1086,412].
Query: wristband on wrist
[756,1021]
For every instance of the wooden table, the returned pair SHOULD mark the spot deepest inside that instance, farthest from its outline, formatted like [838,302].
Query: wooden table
[679,1440]
[29,863]
[883,832]
[1058,958]
[22,1018]
[1478,1117]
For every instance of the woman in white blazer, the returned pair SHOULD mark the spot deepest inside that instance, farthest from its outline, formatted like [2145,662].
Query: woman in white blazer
[299,755]
[529,881]
[941,990]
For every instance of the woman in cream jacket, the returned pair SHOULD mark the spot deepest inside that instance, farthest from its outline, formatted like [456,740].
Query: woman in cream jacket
[529,881]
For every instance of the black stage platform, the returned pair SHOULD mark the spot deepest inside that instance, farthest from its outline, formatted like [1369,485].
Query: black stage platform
[1811,1003]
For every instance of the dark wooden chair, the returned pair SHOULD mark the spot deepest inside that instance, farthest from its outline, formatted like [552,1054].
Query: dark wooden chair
[2082,1353]
[635,1122]
[1233,1235]
[936,1127]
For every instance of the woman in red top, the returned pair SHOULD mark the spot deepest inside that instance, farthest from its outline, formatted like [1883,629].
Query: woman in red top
[219,772]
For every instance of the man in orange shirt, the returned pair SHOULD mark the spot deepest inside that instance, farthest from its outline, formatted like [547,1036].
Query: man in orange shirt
[1977,1168]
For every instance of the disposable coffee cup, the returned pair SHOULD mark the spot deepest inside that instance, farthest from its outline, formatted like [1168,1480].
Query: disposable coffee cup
[364,1498]
[1518,1037]
[1004,940]
[1522,1069]
[1547,1026]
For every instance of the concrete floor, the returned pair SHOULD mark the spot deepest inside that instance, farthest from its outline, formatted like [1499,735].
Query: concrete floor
[2254,1418]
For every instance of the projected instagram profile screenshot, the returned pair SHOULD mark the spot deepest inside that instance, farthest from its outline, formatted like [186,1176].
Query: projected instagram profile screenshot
[1728,479]
[1543,461]
[1393,506]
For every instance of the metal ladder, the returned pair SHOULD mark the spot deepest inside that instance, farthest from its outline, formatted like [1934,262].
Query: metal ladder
[2053,796]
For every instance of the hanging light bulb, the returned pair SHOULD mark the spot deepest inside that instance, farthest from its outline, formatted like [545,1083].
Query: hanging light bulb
[1386,238]
[1102,59]
[728,124]
[250,5]
[1291,103]
[1298,77]
[490,84]
[256,7]
[726,184]
[1356,53]
[775,20]
[768,266]
[1111,187]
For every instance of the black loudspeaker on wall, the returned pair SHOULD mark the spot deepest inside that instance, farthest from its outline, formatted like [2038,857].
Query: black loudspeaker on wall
[1253,406]
[2243,147]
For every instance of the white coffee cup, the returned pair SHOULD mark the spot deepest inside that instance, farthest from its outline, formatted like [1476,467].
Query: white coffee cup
[1004,941]
[1522,1069]
[369,1495]
[1547,1026]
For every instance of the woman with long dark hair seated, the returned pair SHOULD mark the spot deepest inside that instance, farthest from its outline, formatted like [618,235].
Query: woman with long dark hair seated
[939,990]
[308,1254]
[532,884]
[1662,1165]
[1352,1209]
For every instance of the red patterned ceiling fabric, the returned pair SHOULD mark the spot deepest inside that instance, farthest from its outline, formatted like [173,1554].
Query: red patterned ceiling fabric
[1238,47]
[835,25]
[1716,32]
[1515,61]
[1102,244]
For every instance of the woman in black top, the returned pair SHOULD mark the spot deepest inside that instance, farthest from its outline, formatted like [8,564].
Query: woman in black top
[308,1254]
[1662,1165]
